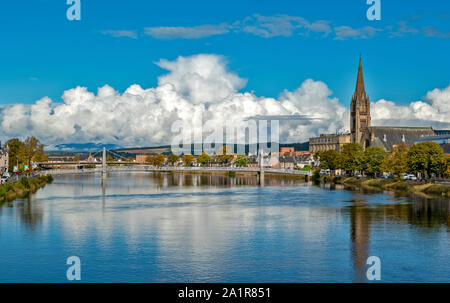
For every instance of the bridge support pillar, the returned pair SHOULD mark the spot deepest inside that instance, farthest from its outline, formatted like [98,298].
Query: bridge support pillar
[261,177]
[261,168]
[104,163]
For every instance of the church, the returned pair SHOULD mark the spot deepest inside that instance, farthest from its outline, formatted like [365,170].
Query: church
[362,131]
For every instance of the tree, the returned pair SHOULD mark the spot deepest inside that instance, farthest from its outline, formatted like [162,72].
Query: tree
[329,159]
[16,148]
[33,151]
[396,161]
[172,158]
[318,154]
[447,166]
[204,158]
[157,160]
[149,159]
[77,158]
[372,159]
[187,159]
[426,157]
[225,154]
[241,161]
[351,156]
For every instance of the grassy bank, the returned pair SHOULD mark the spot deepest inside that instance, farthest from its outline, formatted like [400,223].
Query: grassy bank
[11,191]
[390,184]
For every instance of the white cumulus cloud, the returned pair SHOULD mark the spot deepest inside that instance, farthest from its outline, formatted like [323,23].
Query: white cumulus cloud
[434,111]
[195,86]
[196,89]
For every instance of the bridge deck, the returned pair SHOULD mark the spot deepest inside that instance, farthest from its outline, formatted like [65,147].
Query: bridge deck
[179,169]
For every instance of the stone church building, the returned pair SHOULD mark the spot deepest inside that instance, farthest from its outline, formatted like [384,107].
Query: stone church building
[362,131]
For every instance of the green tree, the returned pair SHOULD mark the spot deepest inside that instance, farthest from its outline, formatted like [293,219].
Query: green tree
[426,157]
[172,158]
[447,166]
[204,158]
[318,154]
[241,161]
[225,154]
[187,159]
[16,148]
[397,160]
[33,151]
[158,160]
[372,159]
[149,159]
[329,159]
[351,156]
[109,158]
[24,153]
[77,158]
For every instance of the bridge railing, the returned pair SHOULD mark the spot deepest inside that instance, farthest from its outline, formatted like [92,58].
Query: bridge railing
[152,168]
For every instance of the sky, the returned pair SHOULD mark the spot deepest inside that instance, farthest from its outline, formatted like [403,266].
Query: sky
[258,55]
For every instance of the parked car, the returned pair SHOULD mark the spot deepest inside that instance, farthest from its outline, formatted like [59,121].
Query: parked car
[324,172]
[409,177]
[390,176]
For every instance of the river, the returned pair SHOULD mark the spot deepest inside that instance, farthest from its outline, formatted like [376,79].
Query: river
[162,227]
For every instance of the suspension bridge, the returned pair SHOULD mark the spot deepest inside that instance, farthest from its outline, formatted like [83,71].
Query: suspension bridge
[85,167]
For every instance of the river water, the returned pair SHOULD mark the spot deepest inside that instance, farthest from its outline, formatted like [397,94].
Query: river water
[160,227]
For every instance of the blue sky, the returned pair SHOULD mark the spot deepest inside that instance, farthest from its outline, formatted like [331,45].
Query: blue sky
[43,54]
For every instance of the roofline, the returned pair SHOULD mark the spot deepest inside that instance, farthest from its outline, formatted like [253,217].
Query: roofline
[411,127]
[434,137]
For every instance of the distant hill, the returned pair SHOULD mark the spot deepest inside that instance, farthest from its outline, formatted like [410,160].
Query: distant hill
[164,149]
[297,146]
[79,147]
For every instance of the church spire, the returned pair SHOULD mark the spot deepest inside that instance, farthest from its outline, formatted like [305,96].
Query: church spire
[360,91]
[360,110]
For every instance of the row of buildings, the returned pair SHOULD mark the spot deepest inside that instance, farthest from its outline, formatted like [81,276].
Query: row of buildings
[4,159]
[362,131]
[284,160]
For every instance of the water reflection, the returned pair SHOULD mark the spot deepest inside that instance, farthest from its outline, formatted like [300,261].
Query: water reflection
[213,228]
[428,214]
[360,220]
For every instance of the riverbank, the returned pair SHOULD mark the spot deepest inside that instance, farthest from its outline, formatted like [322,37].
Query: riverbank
[390,185]
[11,191]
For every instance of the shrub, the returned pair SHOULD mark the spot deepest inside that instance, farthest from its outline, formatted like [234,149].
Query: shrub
[316,176]
[24,182]
[2,191]
[436,189]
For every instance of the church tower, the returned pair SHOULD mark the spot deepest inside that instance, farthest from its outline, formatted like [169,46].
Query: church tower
[359,109]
